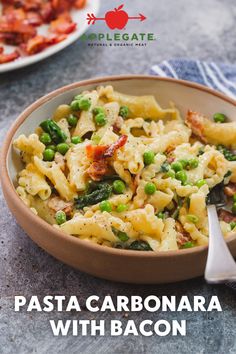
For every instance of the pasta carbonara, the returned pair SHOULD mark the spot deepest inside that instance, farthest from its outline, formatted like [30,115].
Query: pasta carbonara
[120,171]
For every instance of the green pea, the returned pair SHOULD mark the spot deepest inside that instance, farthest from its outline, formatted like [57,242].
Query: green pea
[75,105]
[52,147]
[105,205]
[98,110]
[150,188]
[188,244]
[177,166]
[124,111]
[72,120]
[148,157]
[234,209]
[48,155]
[100,119]
[233,225]
[184,163]
[161,215]
[45,138]
[219,117]
[118,186]
[200,183]
[193,163]
[234,198]
[181,176]
[78,97]
[192,218]
[84,103]
[80,103]
[60,217]
[76,139]
[63,148]
[121,208]
[171,174]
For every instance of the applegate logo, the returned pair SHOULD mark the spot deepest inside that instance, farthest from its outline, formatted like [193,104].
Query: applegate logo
[115,19]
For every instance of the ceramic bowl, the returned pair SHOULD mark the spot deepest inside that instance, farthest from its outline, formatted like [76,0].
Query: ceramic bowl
[113,264]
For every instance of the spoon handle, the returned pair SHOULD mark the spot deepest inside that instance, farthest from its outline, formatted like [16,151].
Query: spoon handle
[220,266]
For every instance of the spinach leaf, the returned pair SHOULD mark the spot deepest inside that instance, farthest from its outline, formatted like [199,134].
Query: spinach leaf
[140,246]
[55,132]
[97,192]
[165,167]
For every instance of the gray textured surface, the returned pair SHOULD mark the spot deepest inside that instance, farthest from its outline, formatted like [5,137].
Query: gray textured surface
[203,29]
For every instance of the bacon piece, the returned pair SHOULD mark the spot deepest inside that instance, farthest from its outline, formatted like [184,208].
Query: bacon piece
[80,4]
[6,58]
[182,235]
[115,146]
[54,39]
[226,216]
[100,152]
[11,14]
[34,19]
[195,121]
[230,189]
[56,204]
[170,159]
[35,45]
[118,124]
[97,169]
[47,12]
[61,6]
[63,24]
[20,18]
[16,32]
[96,153]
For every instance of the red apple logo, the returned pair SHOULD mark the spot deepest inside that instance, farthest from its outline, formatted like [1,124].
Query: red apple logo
[117,18]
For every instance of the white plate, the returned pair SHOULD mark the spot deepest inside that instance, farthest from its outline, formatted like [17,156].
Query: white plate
[79,17]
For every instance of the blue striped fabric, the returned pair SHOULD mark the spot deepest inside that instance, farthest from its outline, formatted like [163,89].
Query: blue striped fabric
[221,77]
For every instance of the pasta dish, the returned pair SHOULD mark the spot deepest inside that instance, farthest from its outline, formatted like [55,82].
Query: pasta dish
[120,171]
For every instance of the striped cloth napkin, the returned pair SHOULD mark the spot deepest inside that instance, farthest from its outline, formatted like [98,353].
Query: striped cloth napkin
[221,77]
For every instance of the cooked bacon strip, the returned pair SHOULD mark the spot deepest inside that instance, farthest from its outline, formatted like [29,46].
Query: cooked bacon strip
[226,216]
[100,152]
[6,58]
[55,38]
[97,169]
[195,121]
[20,18]
[80,4]
[96,153]
[35,45]
[115,146]
[118,124]
[56,204]
[63,24]
[47,12]
[34,19]
[182,235]
[230,189]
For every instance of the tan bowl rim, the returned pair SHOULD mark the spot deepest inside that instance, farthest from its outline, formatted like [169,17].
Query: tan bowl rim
[6,181]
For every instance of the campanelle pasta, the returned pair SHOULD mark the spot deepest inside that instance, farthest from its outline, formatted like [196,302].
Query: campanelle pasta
[120,171]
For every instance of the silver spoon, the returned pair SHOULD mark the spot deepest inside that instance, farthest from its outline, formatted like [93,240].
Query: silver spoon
[220,267]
